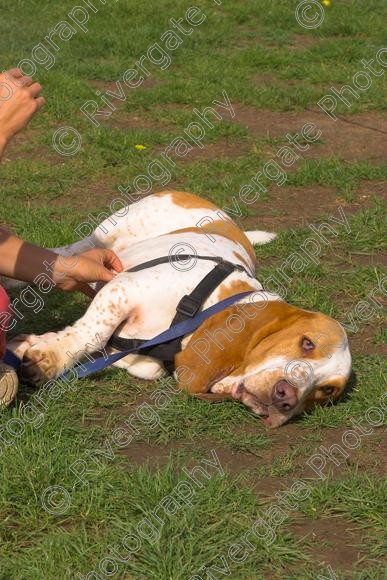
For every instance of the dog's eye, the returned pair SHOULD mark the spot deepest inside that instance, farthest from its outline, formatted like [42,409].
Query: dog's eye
[327,390]
[306,344]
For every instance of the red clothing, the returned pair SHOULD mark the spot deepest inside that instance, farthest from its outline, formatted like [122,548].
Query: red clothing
[4,307]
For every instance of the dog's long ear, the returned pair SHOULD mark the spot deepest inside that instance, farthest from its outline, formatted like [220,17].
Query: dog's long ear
[220,345]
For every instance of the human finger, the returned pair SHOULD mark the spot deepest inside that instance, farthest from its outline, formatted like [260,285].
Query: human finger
[34,89]
[112,261]
[15,72]
[25,82]
[40,101]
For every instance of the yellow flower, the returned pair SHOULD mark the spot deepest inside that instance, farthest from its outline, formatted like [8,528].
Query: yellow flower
[140,147]
[326,2]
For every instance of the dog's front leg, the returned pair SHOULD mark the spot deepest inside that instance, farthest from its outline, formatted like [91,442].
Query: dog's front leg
[224,386]
[51,355]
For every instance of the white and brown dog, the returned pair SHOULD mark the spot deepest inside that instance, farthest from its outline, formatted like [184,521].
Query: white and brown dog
[273,357]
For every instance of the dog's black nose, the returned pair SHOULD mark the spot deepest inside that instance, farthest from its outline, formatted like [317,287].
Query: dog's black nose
[284,396]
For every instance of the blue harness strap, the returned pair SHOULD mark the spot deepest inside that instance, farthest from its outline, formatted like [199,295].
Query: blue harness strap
[12,360]
[175,331]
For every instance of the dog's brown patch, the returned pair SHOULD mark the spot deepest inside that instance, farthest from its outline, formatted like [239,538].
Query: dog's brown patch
[188,200]
[234,288]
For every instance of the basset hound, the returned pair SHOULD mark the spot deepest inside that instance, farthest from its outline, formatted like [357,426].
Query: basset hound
[273,357]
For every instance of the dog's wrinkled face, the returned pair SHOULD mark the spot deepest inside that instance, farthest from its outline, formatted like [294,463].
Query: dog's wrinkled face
[301,363]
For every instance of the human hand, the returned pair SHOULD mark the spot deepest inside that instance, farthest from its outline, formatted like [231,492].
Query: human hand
[22,103]
[96,265]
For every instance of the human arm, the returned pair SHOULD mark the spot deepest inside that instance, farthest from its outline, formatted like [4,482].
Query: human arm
[24,261]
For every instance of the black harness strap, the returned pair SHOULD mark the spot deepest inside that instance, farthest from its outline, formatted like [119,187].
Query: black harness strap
[188,306]
[180,258]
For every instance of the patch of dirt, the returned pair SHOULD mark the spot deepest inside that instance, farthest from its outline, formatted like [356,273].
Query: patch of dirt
[150,82]
[345,262]
[267,487]
[89,196]
[234,461]
[222,149]
[142,453]
[368,457]
[122,120]
[17,150]
[369,189]
[245,37]
[302,42]
[174,107]
[157,456]
[267,79]
[362,337]
[356,137]
[379,259]
[335,541]
[298,206]
[362,342]
[103,86]
[128,121]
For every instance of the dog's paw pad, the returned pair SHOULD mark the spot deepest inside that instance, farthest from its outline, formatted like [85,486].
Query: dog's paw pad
[38,365]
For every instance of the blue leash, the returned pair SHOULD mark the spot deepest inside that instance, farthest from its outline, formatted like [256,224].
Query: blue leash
[176,331]
[11,360]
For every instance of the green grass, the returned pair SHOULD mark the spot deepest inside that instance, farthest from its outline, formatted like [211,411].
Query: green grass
[264,60]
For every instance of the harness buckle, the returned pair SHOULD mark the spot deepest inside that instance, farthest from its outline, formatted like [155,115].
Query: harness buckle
[189,306]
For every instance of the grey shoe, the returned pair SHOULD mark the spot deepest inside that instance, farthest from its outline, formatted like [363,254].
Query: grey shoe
[9,383]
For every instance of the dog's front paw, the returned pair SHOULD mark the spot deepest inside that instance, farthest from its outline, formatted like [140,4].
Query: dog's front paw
[224,386]
[40,363]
